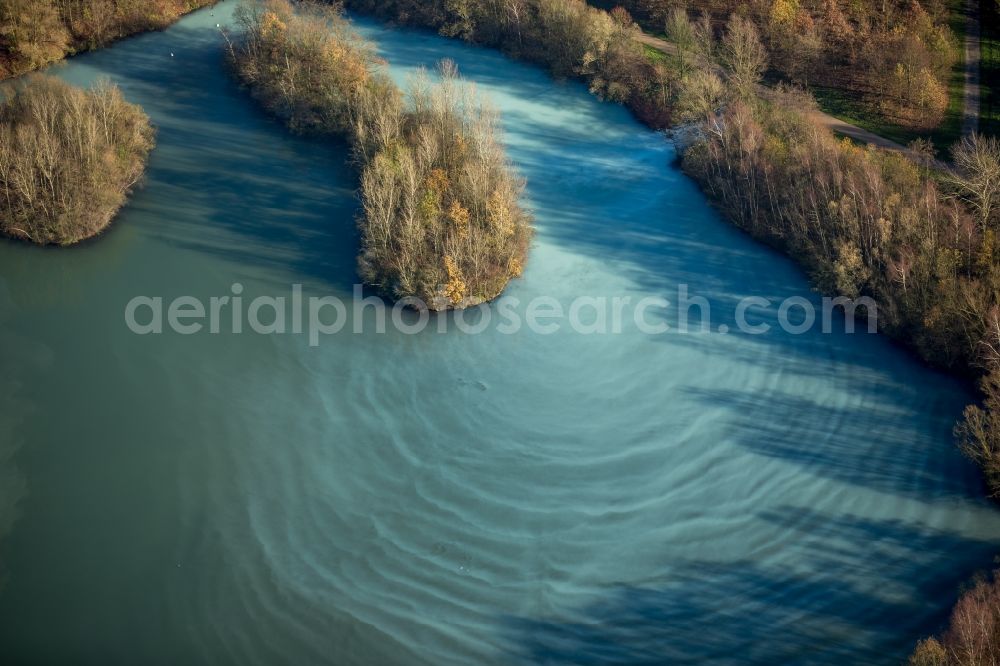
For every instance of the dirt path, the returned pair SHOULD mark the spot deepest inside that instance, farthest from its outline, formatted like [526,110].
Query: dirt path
[823,119]
[970,117]
[856,133]
[660,45]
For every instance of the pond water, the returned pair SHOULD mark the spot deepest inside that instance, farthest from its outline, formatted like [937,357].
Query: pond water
[452,498]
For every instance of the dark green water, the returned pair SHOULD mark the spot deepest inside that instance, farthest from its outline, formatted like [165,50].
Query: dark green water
[451,498]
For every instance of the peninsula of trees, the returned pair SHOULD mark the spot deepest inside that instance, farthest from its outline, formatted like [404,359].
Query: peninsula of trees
[68,158]
[441,220]
[34,33]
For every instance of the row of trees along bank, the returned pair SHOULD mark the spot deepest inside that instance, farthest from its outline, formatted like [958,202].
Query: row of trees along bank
[568,37]
[34,33]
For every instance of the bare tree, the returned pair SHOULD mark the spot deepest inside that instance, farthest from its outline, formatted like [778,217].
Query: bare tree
[701,94]
[976,175]
[743,55]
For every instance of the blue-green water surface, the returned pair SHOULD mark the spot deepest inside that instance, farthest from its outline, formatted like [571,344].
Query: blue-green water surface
[451,498]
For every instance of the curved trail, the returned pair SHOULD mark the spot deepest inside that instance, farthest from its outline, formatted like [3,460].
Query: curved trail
[973,62]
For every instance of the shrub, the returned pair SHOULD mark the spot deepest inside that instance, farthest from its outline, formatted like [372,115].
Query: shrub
[929,652]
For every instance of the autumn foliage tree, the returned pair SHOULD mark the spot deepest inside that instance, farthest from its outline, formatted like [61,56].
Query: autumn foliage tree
[743,56]
[895,56]
[31,34]
[442,220]
[865,222]
[976,175]
[306,66]
[36,32]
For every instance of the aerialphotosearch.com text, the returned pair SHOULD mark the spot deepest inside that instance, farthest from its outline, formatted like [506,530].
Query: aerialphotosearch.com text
[322,316]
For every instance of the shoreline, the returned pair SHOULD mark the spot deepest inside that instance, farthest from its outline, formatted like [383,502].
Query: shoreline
[72,51]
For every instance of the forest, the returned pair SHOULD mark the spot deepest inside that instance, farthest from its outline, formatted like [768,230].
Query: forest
[893,59]
[441,220]
[68,158]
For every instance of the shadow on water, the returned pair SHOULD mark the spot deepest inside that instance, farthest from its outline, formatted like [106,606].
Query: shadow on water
[225,178]
[820,610]
[874,448]
[615,194]
[858,590]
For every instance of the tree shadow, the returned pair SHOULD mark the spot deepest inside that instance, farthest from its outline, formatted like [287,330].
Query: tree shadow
[875,448]
[225,178]
[831,607]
